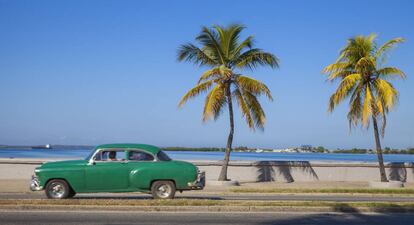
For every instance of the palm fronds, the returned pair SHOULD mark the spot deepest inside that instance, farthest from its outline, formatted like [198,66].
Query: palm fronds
[195,91]
[363,80]
[192,53]
[255,57]
[253,86]
[215,101]
[222,50]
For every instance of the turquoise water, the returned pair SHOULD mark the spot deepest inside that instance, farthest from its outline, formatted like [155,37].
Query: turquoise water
[192,155]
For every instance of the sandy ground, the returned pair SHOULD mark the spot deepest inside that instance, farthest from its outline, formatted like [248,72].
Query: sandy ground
[14,185]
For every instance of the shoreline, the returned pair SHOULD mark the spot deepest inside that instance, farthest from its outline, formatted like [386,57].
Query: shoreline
[407,151]
[278,157]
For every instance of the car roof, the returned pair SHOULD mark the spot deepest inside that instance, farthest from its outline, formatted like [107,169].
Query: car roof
[149,148]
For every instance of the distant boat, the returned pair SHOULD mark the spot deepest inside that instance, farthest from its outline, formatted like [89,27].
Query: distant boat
[259,150]
[42,147]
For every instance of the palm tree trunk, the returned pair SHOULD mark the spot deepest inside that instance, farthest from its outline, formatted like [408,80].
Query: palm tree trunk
[223,172]
[379,151]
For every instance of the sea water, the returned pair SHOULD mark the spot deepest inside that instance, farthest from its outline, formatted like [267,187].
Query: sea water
[196,155]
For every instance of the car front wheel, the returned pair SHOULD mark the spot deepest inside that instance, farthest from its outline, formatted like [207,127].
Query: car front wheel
[57,189]
[163,189]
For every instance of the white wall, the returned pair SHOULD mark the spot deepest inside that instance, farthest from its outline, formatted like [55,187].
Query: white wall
[259,171]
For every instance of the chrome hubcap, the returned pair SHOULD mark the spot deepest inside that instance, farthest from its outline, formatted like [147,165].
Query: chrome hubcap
[164,191]
[56,190]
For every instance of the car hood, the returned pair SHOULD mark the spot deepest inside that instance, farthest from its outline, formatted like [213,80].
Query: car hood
[64,163]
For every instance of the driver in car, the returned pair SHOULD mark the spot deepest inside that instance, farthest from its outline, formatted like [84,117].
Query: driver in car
[112,156]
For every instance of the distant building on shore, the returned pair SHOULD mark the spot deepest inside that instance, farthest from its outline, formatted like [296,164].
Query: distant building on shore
[285,150]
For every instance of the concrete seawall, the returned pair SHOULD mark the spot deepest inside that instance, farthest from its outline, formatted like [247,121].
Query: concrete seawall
[291,171]
[258,171]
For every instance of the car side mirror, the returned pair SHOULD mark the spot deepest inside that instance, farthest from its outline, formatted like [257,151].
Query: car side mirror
[92,162]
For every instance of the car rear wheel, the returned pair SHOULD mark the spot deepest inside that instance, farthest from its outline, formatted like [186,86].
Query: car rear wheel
[57,189]
[163,189]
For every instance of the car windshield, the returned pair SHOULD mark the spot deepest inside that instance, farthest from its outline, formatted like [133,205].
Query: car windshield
[162,156]
[90,155]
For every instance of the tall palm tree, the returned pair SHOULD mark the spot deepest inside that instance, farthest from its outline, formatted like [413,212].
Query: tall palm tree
[224,55]
[366,82]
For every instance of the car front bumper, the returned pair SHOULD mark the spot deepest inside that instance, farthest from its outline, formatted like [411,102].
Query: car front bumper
[35,185]
[200,182]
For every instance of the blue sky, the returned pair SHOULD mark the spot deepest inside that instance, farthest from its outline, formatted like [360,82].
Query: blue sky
[91,72]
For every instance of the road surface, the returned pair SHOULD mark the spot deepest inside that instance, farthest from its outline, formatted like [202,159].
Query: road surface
[259,197]
[158,218]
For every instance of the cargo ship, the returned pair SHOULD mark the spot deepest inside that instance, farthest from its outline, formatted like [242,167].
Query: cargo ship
[42,147]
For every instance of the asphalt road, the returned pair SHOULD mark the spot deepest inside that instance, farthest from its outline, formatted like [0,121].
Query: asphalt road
[157,218]
[273,197]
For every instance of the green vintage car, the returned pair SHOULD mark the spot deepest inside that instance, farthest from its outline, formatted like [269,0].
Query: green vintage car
[118,168]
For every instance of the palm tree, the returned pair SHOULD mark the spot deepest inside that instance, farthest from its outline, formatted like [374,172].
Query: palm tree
[366,82]
[224,55]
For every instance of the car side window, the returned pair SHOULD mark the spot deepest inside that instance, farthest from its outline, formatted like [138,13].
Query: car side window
[98,156]
[162,156]
[110,155]
[139,156]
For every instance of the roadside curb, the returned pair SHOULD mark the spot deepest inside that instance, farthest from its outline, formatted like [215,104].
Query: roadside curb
[320,209]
